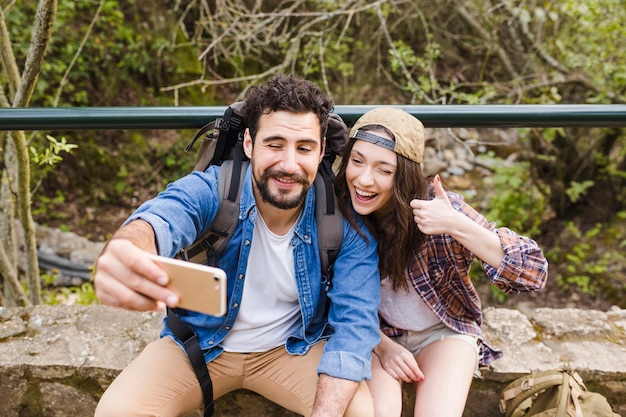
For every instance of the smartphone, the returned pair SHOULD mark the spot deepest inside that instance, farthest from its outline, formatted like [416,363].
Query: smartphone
[201,288]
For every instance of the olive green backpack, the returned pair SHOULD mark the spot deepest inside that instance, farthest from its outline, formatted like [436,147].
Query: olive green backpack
[556,393]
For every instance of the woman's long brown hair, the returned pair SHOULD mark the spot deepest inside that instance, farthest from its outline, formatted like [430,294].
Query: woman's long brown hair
[397,235]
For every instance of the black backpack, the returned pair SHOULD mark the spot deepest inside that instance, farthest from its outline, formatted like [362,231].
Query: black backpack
[223,145]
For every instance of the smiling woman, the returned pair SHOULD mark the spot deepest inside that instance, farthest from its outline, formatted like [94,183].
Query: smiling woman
[428,239]
[370,175]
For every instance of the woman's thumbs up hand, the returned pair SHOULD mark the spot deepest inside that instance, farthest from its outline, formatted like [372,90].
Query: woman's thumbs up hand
[434,216]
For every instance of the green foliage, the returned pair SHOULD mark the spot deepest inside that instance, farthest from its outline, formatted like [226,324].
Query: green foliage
[124,50]
[364,53]
[52,154]
[497,294]
[591,26]
[577,189]
[578,168]
[592,260]
[515,201]
[126,57]
[175,161]
[422,67]
[319,56]
[46,161]
[46,206]
[84,294]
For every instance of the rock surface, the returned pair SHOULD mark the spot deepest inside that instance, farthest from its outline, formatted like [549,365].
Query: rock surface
[55,361]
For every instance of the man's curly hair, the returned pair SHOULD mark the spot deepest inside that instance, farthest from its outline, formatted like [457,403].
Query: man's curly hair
[286,92]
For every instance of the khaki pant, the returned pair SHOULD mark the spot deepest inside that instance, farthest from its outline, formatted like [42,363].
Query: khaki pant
[161,382]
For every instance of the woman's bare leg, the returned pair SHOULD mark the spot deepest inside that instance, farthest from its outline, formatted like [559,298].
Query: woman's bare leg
[448,366]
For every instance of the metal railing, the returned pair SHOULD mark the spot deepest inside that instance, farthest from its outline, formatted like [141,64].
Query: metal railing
[94,118]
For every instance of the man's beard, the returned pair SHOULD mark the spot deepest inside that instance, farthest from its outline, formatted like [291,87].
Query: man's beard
[284,201]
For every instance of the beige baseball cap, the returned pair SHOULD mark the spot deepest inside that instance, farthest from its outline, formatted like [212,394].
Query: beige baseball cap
[406,128]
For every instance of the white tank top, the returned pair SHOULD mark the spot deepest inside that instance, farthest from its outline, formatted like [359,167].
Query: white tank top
[269,310]
[405,309]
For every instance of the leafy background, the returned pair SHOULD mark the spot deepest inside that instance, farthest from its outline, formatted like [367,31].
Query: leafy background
[563,186]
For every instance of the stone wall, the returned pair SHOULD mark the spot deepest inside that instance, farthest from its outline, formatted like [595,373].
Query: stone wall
[55,361]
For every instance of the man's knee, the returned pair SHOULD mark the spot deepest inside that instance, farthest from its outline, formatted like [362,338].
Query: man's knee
[111,406]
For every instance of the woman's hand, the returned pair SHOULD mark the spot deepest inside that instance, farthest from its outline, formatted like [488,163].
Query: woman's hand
[436,216]
[398,361]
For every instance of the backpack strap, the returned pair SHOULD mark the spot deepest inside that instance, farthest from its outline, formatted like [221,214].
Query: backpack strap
[223,137]
[231,128]
[204,129]
[525,387]
[329,230]
[207,147]
[211,244]
[206,250]
[329,222]
[194,353]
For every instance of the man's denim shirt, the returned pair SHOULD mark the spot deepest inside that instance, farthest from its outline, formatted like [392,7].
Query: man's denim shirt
[188,206]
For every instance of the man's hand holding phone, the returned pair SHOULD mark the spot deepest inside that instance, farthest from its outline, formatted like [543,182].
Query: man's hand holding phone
[125,277]
[201,288]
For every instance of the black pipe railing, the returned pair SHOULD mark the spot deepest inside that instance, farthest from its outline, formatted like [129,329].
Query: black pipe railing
[188,117]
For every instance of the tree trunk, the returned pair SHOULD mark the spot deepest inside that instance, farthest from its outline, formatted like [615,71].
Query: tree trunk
[23,88]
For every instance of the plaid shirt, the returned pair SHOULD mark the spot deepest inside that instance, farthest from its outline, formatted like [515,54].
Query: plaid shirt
[439,273]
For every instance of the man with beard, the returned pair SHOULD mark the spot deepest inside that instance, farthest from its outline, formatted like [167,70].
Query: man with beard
[274,339]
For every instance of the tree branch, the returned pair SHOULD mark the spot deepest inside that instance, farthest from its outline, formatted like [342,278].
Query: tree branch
[44,19]
[63,81]
[8,58]
[15,294]
[46,11]
[549,59]
[479,28]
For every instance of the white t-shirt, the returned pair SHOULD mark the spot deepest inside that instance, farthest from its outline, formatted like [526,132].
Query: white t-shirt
[404,309]
[269,310]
